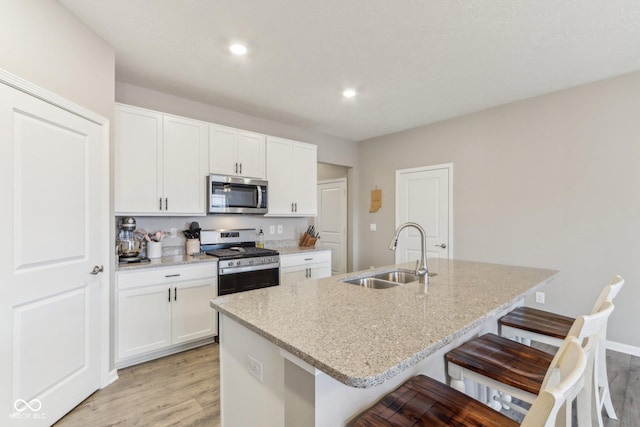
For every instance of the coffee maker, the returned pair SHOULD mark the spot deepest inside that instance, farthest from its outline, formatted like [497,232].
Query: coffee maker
[129,244]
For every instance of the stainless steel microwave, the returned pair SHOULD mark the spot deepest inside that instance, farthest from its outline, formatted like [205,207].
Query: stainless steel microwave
[230,194]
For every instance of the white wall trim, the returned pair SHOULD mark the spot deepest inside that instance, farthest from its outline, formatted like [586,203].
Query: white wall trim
[112,377]
[49,97]
[623,348]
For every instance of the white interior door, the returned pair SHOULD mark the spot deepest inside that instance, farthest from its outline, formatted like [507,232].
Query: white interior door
[423,195]
[331,222]
[53,226]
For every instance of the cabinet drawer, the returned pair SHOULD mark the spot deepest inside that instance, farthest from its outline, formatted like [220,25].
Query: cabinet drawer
[160,275]
[305,258]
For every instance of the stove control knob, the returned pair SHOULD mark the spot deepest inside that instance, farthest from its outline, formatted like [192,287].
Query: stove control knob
[238,262]
[250,262]
[230,263]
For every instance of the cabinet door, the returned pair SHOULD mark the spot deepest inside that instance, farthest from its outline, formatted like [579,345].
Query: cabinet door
[138,160]
[144,320]
[222,150]
[279,159]
[192,315]
[305,179]
[319,271]
[250,151]
[185,165]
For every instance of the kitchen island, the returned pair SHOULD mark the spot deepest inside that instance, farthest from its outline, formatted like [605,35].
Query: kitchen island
[315,353]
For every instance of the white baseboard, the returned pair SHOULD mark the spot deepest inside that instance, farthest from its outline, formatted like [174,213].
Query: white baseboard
[623,348]
[113,376]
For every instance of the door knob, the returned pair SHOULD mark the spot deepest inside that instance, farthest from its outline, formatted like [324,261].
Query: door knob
[97,270]
[442,245]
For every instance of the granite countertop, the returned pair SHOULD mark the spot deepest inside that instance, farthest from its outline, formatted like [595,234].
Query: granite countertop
[361,336]
[167,261]
[290,250]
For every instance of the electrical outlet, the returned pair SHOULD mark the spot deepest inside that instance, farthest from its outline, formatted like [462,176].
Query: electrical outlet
[540,297]
[254,367]
[272,229]
[280,229]
[373,227]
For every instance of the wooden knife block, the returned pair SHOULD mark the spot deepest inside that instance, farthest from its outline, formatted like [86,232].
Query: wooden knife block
[308,240]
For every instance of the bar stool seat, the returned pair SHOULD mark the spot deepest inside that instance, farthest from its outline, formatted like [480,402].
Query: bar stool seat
[539,322]
[490,354]
[423,401]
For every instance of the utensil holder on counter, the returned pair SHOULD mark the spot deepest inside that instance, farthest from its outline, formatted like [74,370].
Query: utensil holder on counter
[154,249]
[192,246]
[308,240]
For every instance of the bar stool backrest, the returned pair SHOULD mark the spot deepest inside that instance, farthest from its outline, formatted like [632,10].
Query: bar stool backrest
[570,364]
[608,293]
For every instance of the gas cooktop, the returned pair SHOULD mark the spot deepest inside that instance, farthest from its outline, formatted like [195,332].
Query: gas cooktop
[241,252]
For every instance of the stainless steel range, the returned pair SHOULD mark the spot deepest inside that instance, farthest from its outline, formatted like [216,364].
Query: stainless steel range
[242,266]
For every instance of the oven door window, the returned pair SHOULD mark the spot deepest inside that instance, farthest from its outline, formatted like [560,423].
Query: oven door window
[224,195]
[246,281]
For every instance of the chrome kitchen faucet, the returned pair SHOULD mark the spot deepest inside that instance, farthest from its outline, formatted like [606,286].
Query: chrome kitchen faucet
[421,266]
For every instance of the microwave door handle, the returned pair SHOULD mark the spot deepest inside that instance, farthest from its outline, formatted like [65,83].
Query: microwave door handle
[259,197]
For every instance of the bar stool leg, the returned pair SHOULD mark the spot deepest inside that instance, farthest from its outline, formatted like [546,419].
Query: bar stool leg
[603,395]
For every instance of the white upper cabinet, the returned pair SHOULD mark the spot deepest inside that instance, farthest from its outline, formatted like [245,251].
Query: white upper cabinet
[138,160]
[160,163]
[292,175]
[185,165]
[236,152]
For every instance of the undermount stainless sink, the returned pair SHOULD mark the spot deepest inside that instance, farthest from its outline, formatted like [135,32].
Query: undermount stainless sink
[371,283]
[397,276]
[388,279]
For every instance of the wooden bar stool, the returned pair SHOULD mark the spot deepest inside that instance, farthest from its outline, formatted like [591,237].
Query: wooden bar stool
[518,370]
[423,401]
[550,328]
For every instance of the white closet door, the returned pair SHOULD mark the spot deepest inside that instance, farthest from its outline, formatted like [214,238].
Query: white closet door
[53,226]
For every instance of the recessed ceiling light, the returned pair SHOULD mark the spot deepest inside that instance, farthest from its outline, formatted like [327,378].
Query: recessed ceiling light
[349,93]
[238,49]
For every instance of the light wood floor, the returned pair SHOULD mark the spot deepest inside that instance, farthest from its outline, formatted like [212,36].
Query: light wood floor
[183,390]
[177,390]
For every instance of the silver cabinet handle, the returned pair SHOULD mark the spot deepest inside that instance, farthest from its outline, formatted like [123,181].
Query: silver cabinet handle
[160,207]
[442,245]
[97,270]
[291,207]
[166,203]
[175,293]
[172,275]
[240,168]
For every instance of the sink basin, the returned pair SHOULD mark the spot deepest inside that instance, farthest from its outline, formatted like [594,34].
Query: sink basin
[397,276]
[372,283]
[388,279]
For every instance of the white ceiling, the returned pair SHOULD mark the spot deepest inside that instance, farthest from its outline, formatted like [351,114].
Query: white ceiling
[413,62]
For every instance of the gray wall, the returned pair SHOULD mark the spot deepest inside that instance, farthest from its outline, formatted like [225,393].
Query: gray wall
[549,182]
[43,43]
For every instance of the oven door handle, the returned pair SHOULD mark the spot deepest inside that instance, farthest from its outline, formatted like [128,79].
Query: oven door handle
[235,270]
[259,196]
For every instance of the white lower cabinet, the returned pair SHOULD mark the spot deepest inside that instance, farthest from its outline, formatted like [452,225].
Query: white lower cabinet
[302,266]
[163,310]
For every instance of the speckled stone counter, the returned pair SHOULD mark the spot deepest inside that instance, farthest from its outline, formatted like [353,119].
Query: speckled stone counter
[167,261]
[290,250]
[361,336]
